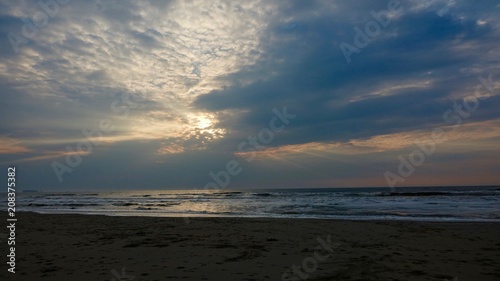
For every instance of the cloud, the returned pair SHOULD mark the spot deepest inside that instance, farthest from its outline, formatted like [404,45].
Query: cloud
[11,146]
[487,133]
[400,82]
[165,53]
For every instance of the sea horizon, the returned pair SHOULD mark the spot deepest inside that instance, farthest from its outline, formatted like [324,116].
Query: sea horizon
[30,190]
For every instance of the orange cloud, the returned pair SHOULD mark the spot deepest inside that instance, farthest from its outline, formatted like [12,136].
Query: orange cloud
[464,135]
[12,146]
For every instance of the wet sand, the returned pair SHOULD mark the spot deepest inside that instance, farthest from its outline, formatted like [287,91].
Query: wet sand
[82,247]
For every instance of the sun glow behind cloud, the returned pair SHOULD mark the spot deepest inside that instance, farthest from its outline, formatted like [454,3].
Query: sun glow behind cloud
[168,55]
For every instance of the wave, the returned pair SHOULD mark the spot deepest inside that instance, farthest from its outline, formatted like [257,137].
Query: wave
[125,204]
[61,204]
[442,193]
[228,193]
[265,194]
[161,204]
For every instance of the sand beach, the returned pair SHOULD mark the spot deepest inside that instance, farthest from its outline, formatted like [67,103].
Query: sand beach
[87,247]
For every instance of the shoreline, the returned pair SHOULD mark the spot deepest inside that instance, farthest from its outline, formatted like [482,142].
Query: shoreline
[88,247]
[162,215]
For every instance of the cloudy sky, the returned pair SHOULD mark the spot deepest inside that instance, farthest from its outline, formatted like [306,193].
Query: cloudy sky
[112,94]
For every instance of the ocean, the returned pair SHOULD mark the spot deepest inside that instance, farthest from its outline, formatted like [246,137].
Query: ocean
[417,203]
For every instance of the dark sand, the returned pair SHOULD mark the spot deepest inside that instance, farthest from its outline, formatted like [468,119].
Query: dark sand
[79,247]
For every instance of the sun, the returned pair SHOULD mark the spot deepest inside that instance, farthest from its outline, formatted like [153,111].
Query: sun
[204,122]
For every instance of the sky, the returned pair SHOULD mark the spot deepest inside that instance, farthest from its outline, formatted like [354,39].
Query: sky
[105,94]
